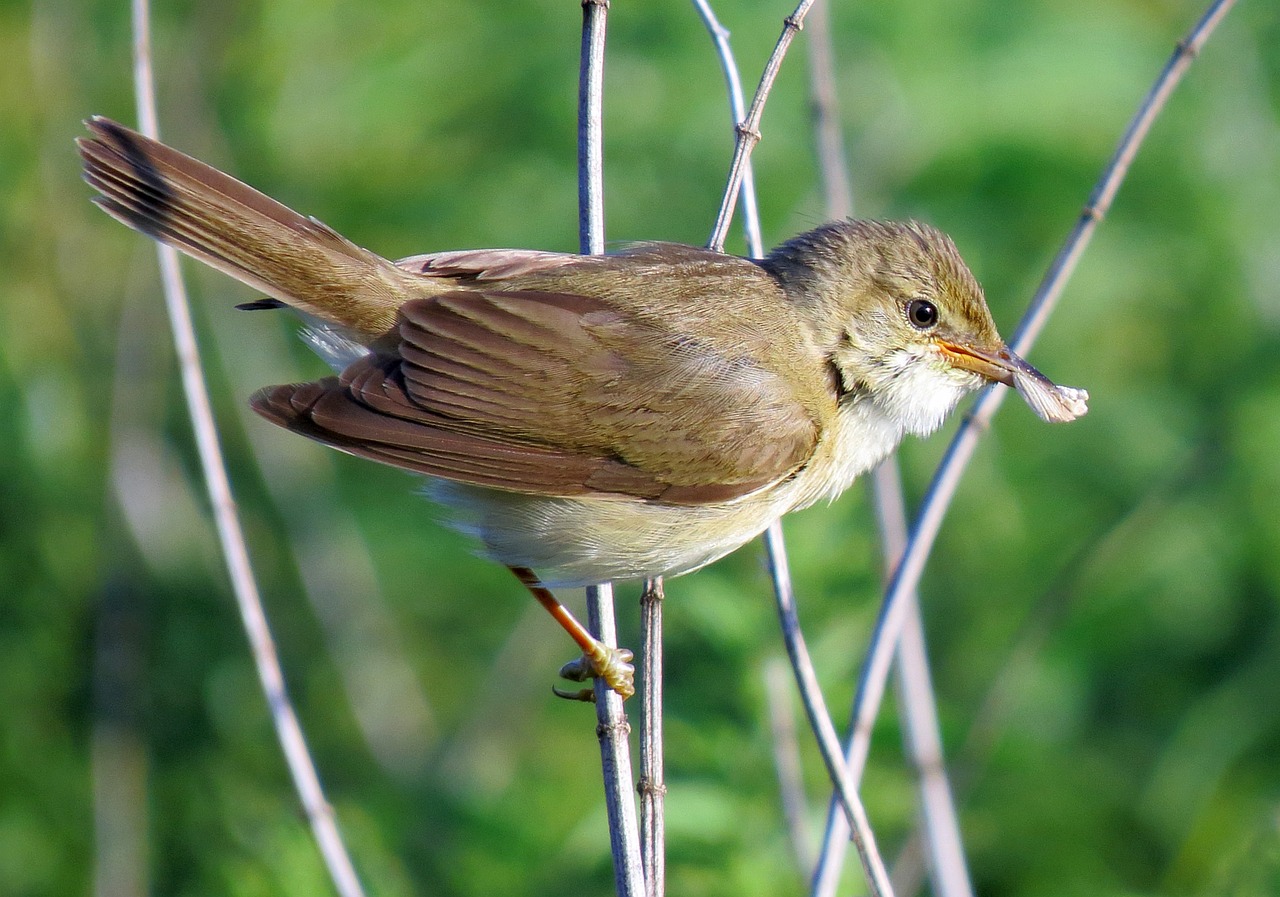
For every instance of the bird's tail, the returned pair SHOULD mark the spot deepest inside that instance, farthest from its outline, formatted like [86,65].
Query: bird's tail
[230,226]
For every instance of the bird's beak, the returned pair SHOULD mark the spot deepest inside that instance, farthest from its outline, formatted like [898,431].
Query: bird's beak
[1046,398]
[1001,365]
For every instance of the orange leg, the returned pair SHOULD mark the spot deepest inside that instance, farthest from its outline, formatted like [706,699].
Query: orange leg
[613,665]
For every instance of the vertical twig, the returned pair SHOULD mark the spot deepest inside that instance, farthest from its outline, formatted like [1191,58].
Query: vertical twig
[652,785]
[737,106]
[833,161]
[749,128]
[230,535]
[612,727]
[922,736]
[613,730]
[948,870]
[775,549]
[591,128]
[942,489]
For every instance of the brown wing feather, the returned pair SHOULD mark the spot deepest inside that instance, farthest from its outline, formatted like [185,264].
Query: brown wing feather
[487,264]
[341,415]
[577,372]
[559,395]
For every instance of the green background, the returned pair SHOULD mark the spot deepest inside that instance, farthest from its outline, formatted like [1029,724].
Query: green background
[1102,605]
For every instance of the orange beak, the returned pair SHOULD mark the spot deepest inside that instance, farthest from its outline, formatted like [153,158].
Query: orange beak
[1001,366]
[1046,398]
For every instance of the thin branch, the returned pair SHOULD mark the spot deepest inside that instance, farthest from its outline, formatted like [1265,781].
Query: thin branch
[652,785]
[1008,685]
[948,870]
[749,129]
[820,720]
[612,727]
[942,489]
[833,161]
[591,128]
[737,107]
[613,730]
[230,535]
[921,732]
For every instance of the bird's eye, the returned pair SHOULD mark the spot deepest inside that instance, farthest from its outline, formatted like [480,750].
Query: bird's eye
[922,313]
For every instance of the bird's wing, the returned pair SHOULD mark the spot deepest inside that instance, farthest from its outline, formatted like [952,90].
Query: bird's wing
[486,264]
[557,394]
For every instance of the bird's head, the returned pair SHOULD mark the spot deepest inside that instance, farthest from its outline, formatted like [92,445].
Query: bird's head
[904,322]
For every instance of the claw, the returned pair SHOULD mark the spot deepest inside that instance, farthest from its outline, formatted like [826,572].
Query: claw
[613,665]
[586,695]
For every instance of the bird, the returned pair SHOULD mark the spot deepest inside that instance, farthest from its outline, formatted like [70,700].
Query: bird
[589,419]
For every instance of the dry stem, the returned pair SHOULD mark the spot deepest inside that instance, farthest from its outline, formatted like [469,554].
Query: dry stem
[320,814]
[612,727]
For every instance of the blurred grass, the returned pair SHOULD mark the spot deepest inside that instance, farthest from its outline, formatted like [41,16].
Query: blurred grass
[1115,581]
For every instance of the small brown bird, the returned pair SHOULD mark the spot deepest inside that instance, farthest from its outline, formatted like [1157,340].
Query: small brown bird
[597,418]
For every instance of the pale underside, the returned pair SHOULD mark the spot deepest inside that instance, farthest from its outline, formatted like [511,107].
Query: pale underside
[581,541]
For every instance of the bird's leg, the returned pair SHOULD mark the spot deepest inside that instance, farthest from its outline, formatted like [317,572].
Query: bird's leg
[613,665]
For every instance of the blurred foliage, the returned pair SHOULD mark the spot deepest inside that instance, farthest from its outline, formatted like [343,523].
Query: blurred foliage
[1102,605]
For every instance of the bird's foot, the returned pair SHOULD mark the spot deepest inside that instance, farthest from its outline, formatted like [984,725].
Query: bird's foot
[613,665]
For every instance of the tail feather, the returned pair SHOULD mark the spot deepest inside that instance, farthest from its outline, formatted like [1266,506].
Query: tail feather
[230,226]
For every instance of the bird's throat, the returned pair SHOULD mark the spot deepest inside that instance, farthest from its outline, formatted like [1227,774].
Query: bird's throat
[861,435]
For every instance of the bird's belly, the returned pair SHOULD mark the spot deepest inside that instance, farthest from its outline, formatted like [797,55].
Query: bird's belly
[582,541]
